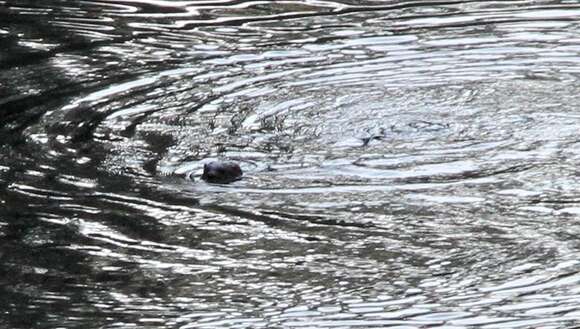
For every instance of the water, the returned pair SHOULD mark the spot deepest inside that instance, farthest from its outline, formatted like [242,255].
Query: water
[407,164]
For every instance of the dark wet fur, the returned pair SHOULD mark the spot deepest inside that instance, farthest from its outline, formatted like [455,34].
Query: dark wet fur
[221,172]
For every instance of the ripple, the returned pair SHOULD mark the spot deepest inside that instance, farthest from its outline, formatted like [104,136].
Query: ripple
[405,164]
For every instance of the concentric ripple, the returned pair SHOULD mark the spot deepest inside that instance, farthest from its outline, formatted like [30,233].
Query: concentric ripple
[406,164]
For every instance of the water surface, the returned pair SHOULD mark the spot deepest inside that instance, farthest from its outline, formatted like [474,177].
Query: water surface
[407,164]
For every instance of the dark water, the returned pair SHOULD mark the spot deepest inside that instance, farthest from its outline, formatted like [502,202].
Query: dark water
[409,164]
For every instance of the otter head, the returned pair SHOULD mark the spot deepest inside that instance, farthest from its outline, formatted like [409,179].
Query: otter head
[221,172]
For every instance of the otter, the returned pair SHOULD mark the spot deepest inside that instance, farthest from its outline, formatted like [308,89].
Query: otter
[221,172]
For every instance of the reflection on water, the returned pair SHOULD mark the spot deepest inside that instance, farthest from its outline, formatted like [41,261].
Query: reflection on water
[407,164]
